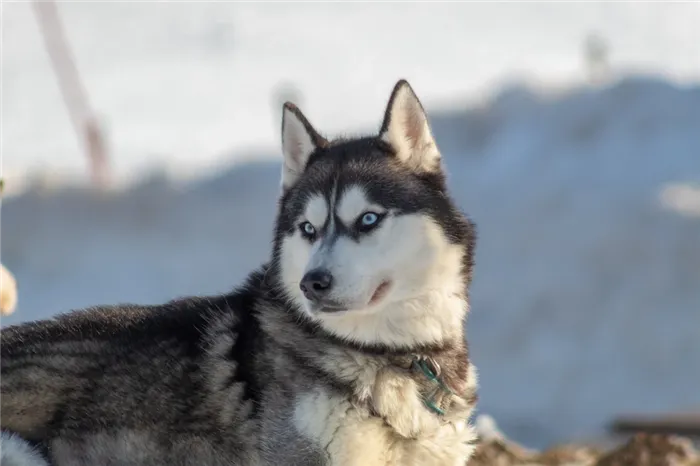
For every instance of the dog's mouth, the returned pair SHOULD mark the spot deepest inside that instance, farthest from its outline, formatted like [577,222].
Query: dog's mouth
[330,307]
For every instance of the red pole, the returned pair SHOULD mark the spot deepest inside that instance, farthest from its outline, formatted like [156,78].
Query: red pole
[74,94]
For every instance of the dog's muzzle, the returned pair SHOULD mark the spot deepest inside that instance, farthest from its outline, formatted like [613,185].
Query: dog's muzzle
[316,286]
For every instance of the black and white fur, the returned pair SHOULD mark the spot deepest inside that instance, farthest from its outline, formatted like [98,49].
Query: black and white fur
[310,361]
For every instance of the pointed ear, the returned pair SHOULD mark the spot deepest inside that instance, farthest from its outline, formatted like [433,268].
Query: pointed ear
[299,141]
[406,129]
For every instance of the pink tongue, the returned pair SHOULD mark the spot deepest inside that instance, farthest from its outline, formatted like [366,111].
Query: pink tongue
[379,292]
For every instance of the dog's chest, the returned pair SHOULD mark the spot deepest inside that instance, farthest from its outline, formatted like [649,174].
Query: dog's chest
[346,433]
[381,420]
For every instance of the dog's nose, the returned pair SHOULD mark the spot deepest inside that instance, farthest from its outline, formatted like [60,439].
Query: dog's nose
[316,284]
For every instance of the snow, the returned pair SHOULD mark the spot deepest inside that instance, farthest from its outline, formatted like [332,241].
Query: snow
[586,298]
[172,80]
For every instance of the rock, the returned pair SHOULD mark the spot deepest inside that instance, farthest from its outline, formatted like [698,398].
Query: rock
[653,450]
[641,450]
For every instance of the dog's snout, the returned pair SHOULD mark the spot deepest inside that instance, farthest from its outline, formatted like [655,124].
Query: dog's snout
[316,284]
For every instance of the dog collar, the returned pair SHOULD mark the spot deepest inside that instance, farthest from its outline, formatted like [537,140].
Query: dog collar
[431,370]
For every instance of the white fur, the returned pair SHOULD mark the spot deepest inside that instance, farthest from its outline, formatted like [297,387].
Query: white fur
[15,451]
[354,203]
[399,401]
[316,211]
[8,291]
[409,133]
[297,146]
[425,301]
[393,396]
[348,436]
[351,436]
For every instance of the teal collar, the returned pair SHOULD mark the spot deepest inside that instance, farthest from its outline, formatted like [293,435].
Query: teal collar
[431,370]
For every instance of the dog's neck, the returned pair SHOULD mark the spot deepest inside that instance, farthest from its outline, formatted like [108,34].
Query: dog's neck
[424,337]
[428,326]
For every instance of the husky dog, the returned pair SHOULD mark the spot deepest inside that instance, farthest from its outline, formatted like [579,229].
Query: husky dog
[346,348]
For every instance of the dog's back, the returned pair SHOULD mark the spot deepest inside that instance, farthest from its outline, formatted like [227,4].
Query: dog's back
[45,364]
[112,379]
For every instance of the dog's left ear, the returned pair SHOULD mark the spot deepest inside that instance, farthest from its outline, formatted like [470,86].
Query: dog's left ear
[299,141]
[406,129]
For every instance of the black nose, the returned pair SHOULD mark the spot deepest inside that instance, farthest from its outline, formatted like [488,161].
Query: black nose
[316,284]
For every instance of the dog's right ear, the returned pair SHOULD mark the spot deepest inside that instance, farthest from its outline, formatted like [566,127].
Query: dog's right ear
[299,141]
[406,129]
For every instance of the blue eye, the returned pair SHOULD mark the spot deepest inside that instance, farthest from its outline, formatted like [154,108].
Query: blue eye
[307,229]
[370,218]
[368,221]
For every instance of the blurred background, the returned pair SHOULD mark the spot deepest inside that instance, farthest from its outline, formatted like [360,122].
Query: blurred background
[571,133]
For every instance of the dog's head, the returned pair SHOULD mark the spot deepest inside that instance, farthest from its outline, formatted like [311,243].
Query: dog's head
[368,243]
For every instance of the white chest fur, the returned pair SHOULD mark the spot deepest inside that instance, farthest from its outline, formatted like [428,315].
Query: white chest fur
[351,436]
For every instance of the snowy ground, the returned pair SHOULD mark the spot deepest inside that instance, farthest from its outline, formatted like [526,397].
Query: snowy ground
[586,300]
